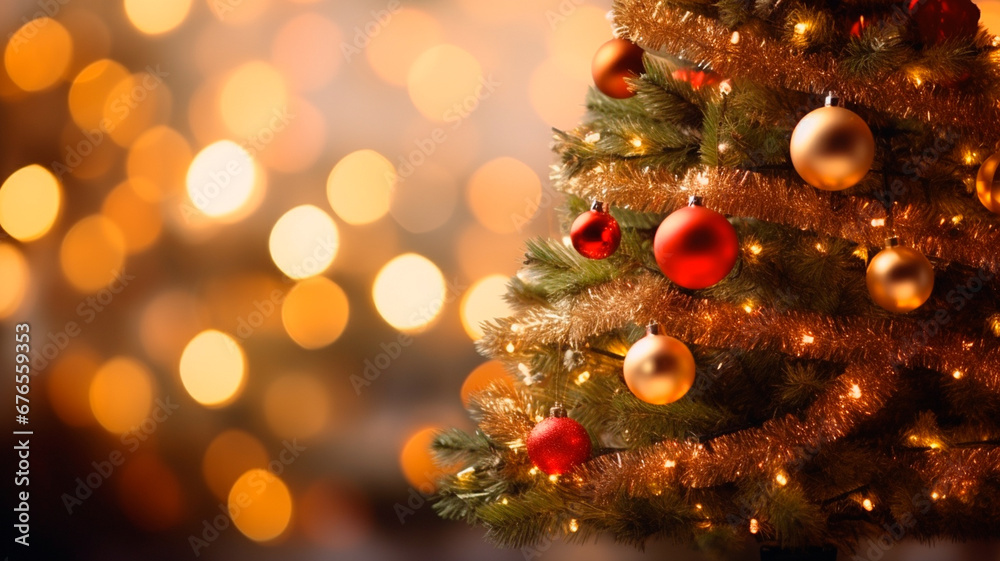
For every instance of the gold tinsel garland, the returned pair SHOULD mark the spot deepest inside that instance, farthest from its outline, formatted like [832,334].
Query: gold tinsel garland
[779,199]
[775,64]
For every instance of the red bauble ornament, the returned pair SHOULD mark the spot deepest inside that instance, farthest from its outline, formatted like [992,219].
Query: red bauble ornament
[595,234]
[614,61]
[558,444]
[937,21]
[697,78]
[696,247]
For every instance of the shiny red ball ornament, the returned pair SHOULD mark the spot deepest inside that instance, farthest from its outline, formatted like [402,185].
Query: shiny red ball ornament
[696,247]
[613,62]
[595,234]
[558,444]
[696,77]
[937,21]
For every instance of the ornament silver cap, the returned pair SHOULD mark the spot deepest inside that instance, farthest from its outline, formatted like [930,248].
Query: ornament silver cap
[598,206]
[557,411]
[832,100]
[892,241]
[695,200]
[653,329]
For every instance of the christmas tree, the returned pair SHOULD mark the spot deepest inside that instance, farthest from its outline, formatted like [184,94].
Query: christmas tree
[777,324]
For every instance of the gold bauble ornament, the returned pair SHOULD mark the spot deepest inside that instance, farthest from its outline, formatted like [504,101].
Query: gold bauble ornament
[900,279]
[658,368]
[832,148]
[988,183]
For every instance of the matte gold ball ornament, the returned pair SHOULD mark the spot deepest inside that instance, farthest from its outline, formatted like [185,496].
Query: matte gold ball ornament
[988,183]
[658,368]
[832,148]
[900,279]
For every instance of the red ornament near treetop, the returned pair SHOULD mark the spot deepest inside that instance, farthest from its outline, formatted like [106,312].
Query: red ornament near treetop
[595,234]
[558,444]
[936,21]
[696,247]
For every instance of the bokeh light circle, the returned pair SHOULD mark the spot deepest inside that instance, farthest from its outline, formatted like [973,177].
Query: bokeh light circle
[484,302]
[504,195]
[260,505]
[417,460]
[231,454]
[485,375]
[38,54]
[360,186]
[253,100]
[445,83]
[29,203]
[304,242]
[213,368]
[15,280]
[409,292]
[121,394]
[155,17]
[92,255]
[222,179]
[315,312]
[392,52]
[140,222]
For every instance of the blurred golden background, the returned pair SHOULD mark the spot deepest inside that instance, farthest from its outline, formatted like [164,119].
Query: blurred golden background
[254,241]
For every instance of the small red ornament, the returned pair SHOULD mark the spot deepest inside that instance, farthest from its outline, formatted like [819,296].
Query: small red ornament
[939,20]
[860,26]
[697,78]
[613,62]
[696,247]
[558,444]
[595,234]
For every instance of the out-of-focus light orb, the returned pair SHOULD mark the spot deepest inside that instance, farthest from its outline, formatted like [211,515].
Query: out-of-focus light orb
[409,292]
[253,100]
[299,145]
[556,96]
[168,322]
[263,503]
[504,195]
[574,41]
[425,200]
[121,394]
[15,280]
[392,52]
[360,187]
[304,50]
[92,254]
[417,461]
[446,82]
[90,89]
[296,406]
[231,454]
[139,221]
[155,17]
[315,312]
[213,368]
[304,242]
[334,517]
[150,493]
[157,163]
[38,54]
[68,387]
[136,104]
[222,179]
[485,375]
[484,302]
[238,12]
[504,257]
[29,203]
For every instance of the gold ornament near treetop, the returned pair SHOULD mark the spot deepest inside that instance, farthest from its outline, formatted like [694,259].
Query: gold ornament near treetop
[988,183]
[832,148]
[900,279]
[658,368]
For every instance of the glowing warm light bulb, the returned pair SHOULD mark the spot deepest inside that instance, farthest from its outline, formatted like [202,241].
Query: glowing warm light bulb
[782,479]
[754,526]
[484,302]
[155,17]
[304,242]
[360,187]
[38,54]
[29,203]
[957,374]
[867,504]
[583,377]
[314,312]
[121,394]
[409,292]
[213,368]
[221,180]
[855,391]
[264,505]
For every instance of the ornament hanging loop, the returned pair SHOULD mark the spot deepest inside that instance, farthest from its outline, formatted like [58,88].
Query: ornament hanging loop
[832,100]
